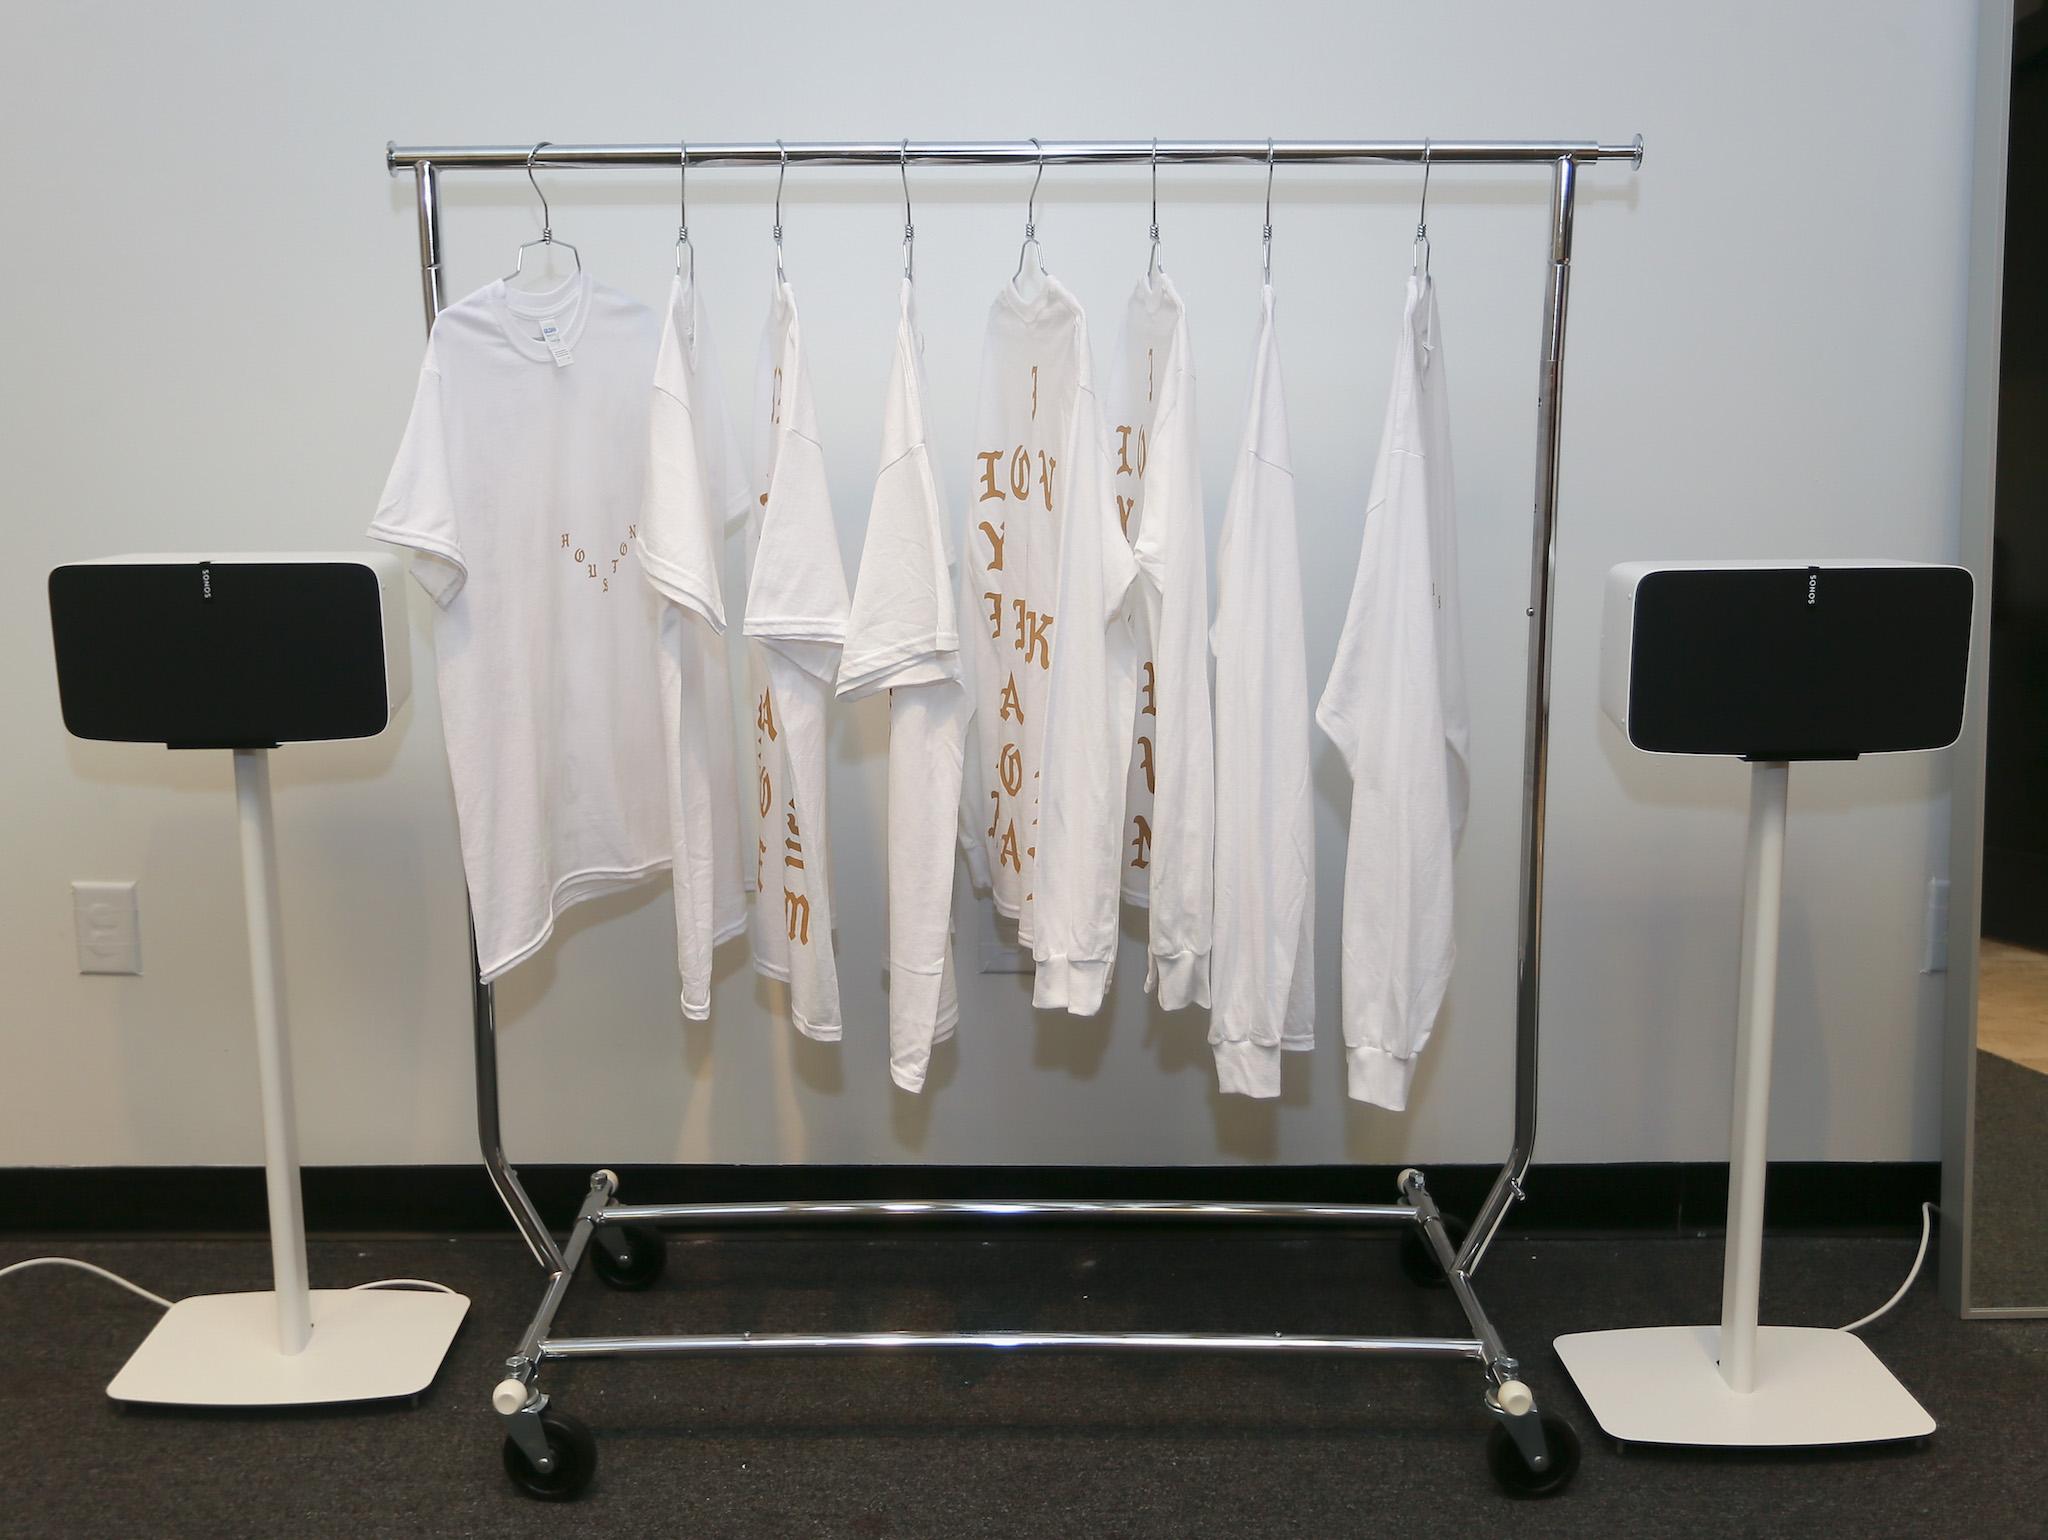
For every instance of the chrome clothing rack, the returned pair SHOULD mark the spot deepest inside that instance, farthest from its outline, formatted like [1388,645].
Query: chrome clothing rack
[551,1454]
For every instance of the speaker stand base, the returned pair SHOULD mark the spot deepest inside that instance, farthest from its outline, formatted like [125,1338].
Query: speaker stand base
[222,1350]
[1815,1387]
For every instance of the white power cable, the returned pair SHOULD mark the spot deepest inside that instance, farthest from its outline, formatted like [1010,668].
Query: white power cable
[163,1304]
[404,1283]
[87,1267]
[1926,1230]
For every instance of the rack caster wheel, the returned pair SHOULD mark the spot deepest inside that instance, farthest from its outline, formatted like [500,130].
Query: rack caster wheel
[645,1255]
[1418,1257]
[575,1455]
[1513,1476]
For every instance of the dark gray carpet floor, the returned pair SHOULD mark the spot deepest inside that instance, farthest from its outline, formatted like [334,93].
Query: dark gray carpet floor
[1015,1445]
[2010,1240]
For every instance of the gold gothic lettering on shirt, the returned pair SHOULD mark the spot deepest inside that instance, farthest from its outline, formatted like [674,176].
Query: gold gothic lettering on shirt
[604,566]
[796,907]
[1019,463]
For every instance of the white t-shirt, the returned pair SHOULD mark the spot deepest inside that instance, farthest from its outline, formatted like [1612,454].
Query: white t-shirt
[517,487]
[1169,814]
[1263,969]
[795,622]
[1395,708]
[696,494]
[903,638]
[1034,373]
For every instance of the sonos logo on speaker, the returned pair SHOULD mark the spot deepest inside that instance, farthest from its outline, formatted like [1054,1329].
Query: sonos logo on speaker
[1813,585]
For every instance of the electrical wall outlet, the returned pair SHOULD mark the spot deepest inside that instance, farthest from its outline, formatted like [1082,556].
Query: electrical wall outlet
[109,932]
[1937,926]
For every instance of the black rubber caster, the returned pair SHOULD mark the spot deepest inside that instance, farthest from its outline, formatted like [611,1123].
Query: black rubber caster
[575,1455]
[1418,1257]
[645,1256]
[1512,1474]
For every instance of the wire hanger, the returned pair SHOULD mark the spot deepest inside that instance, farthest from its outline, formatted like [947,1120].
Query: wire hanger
[683,210]
[909,229]
[1419,257]
[1030,213]
[547,228]
[1268,235]
[1152,266]
[780,275]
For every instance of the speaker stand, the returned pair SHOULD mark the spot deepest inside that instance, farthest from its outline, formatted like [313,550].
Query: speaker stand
[1741,1386]
[288,1345]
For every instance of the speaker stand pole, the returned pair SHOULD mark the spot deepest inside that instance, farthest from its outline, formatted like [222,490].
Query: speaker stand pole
[1745,1386]
[1756,1019]
[289,1345]
[273,1051]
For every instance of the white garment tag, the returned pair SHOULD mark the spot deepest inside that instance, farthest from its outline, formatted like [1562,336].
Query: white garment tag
[551,334]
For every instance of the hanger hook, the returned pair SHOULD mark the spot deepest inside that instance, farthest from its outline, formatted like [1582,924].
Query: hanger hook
[683,209]
[1268,233]
[909,229]
[1422,246]
[1152,268]
[547,227]
[1031,216]
[1031,203]
[781,172]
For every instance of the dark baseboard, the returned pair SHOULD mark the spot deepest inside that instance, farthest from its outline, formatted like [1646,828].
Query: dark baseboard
[1674,1198]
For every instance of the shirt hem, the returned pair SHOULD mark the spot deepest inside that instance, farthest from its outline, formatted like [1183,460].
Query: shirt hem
[569,891]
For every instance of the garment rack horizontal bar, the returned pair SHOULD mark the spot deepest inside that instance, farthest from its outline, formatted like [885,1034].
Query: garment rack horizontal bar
[1008,1341]
[1052,152]
[714,1214]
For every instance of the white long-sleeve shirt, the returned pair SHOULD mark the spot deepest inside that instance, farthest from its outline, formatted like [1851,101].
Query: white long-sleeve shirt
[1020,492]
[1395,707]
[1089,713]
[696,494]
[903,637]
[795,622]
[1263,968]
[1168,855]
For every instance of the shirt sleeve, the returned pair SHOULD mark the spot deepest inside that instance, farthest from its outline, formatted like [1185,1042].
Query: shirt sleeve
[682,537]
[1182,899]
[1090,701]
[418,509]
[797,601]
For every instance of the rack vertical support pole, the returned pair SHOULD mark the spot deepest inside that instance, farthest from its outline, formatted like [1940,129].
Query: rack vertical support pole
[1507,1187]
[482,1000]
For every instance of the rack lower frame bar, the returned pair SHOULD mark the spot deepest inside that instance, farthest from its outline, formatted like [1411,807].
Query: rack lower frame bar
[518,1399]
[701,1215]
[1008,1342]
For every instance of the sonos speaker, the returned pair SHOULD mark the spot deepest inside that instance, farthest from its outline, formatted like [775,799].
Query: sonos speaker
[1786,660]
[239,651]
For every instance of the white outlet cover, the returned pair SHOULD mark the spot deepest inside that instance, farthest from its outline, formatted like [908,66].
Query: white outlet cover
[105,915]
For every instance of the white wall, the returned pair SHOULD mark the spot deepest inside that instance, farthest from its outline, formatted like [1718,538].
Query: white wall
[211,324]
